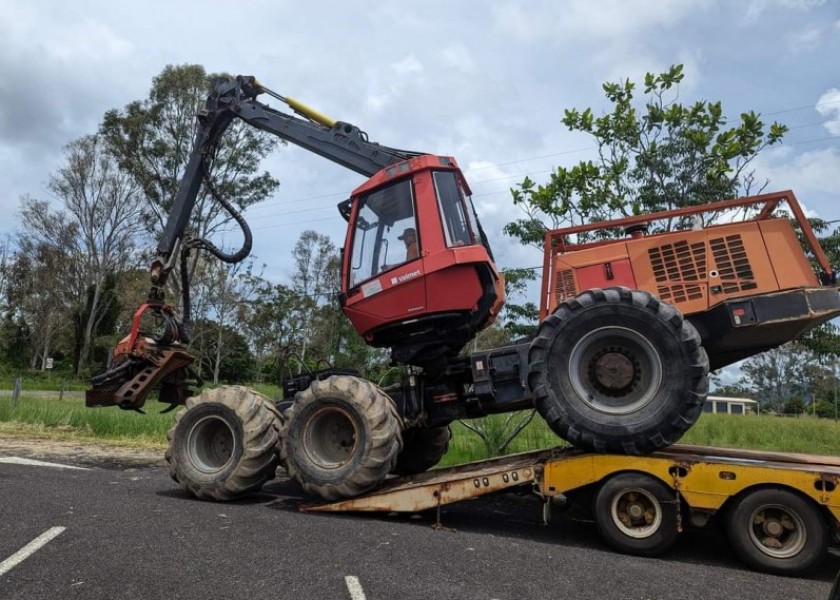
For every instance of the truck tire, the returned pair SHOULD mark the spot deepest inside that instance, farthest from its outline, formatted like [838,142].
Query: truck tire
[341,437]
[618,370]
[223,445]
[637,514]
[777,531]
[422,449]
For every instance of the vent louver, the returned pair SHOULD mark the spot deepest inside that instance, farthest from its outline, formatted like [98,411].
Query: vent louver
[679,262]
[564,286]
[733,265]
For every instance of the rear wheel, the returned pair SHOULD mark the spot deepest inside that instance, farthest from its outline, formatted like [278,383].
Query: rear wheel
[637,514]
[618,370]
[341,437]
[422,449]
[223,445]
[777,531]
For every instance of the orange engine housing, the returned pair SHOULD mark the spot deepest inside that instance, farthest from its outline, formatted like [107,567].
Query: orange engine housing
[746,286]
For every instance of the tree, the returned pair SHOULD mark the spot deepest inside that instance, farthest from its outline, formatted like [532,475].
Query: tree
[669,156]
[151,140]
[776,376]
[224,290]
[313,255]
[104,206]
[519,319]
[40,281]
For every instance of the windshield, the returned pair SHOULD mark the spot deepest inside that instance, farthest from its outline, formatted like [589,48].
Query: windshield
[385,233]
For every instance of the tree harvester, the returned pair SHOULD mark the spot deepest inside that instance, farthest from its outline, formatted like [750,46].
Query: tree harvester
[630,324]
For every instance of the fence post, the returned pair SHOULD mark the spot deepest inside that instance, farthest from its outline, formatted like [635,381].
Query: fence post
[61,390]
[16,392]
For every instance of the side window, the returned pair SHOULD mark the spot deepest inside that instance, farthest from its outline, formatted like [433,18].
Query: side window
[385,232]
[453,211]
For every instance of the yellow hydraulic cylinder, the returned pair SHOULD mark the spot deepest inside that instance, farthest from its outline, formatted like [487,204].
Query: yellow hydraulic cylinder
[310,113]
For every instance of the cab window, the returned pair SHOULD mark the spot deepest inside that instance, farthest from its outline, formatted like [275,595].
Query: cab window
[453,210]
[385,232]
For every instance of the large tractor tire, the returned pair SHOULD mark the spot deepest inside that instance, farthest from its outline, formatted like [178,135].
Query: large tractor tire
[422,449]
[341,437]
[223,445]
[618,370]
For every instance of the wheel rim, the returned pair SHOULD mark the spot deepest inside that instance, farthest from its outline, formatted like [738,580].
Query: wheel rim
[636,512]
[777,531]
[330,437]
[615,370]
[211,444]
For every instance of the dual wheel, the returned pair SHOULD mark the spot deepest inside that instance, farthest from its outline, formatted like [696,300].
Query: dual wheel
[771,529]
[341,437]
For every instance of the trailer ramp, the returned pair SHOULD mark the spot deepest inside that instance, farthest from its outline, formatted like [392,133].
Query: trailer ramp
[445,486]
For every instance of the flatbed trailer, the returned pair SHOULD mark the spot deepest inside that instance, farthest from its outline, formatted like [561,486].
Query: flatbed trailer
[780,510]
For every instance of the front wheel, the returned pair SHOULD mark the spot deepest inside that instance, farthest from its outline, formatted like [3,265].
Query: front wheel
[777,531]
[618,370]
[223,445]
[637,514]
[341,437]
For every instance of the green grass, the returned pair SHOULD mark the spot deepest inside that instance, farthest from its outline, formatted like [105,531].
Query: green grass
[783,434]
[69,419]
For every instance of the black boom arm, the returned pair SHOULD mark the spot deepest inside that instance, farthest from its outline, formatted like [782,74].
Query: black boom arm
[232,98]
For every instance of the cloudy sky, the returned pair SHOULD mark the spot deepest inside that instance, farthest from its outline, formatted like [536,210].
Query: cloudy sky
[486,82]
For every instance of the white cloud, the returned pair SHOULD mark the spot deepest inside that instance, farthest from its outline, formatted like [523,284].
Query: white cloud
[805,39]
[829,107]
[399,77]
[585,20]
[814,176]
[759,7]
[458,57]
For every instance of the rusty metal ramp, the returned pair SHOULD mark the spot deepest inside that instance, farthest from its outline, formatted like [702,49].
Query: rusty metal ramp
[444,486]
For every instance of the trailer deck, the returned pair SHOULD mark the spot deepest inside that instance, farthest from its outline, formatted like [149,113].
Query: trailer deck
[782,509]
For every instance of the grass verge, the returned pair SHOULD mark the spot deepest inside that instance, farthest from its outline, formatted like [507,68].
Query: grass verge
[46,417]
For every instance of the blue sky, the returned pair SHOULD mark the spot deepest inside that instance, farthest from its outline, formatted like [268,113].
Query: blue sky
[486,82]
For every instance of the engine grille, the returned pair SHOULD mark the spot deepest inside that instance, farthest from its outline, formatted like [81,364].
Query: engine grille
[564,285]
[733,265]
[676,265]
[679,262]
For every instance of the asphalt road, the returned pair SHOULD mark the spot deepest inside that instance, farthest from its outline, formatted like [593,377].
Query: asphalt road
[130,533]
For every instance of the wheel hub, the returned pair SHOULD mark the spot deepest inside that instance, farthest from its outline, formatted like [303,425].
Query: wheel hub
[330,437]
[210,444]
[636,513]
[777,531]
[613,371]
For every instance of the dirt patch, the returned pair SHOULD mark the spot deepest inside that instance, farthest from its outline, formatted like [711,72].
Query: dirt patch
[81,454]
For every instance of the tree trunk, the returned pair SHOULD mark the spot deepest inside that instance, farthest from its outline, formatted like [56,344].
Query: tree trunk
[84,353]
[218,360]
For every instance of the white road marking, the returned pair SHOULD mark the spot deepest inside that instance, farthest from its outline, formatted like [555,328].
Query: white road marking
[14,460]
[354,587]
[29,549]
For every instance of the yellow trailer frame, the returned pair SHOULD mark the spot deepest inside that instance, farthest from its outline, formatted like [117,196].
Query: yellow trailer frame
[782,509]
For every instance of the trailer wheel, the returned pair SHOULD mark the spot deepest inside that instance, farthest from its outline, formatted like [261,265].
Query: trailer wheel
[422,449]
[776,531]
[618,370]
[341,437]
[223,445]
[636,514]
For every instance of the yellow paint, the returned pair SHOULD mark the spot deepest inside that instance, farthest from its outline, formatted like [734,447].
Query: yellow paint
[310,113]
[708,481]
